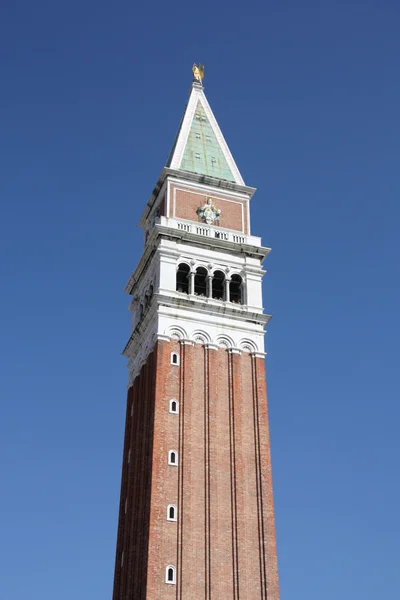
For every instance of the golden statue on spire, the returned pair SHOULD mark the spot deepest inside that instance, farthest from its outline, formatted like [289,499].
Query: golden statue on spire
[198,72]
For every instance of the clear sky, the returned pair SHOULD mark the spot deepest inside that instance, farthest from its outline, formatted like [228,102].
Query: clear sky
[307,94]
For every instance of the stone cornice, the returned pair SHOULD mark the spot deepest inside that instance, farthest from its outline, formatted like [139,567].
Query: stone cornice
[206,306]
[209,306]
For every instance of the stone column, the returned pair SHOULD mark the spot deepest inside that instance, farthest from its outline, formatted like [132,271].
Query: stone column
[209,286]
[192,275]
[227,294]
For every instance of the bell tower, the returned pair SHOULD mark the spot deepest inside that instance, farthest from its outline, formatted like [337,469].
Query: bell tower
[196,517]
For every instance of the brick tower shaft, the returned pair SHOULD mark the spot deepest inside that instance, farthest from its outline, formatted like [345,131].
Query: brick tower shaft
[196,515]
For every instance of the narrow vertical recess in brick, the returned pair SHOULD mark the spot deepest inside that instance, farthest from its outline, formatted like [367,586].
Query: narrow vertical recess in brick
[232,449]
[207,473]
[220,478]
[180,476]
[258,480]
[247,511]
[237,401]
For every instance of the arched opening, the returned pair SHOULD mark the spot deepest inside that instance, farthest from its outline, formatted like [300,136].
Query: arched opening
[170,574]
[218,285]
[174,359]
[182,278]
[173,406]
[235,289]
[173,458]
[171,512]
[200,282]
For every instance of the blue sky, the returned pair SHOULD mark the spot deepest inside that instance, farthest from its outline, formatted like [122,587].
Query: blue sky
[308,95]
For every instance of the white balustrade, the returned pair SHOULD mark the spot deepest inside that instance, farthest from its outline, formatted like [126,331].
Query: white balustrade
[211,232]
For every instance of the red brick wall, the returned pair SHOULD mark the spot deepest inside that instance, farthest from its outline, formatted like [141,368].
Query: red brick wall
[187,201]
[268,515]
[223,544]
[165,478]
[192,472]
[133,527]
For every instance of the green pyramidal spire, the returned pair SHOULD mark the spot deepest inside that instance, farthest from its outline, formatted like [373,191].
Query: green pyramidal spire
[203,154]
[199,146]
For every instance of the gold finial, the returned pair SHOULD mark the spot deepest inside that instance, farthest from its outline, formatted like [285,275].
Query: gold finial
[198,72]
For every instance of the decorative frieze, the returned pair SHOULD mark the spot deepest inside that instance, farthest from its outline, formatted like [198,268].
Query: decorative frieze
[139,352]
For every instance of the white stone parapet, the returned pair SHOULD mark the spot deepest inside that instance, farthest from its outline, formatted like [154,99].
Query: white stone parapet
[210,231]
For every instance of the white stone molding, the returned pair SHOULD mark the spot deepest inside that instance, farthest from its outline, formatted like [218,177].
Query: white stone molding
[259,354]
[200,337]
[208,189]
[139,358]
[247,346]
[224,341]
[184,261]
[163,338]
[177,333]
[187,342]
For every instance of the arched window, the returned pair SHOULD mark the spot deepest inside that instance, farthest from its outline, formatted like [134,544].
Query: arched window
[173,406]
[173,458]
[235,289]
[182,278]
[172,512]
[174,358]
[200,282]
[170,574]
[218,285]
